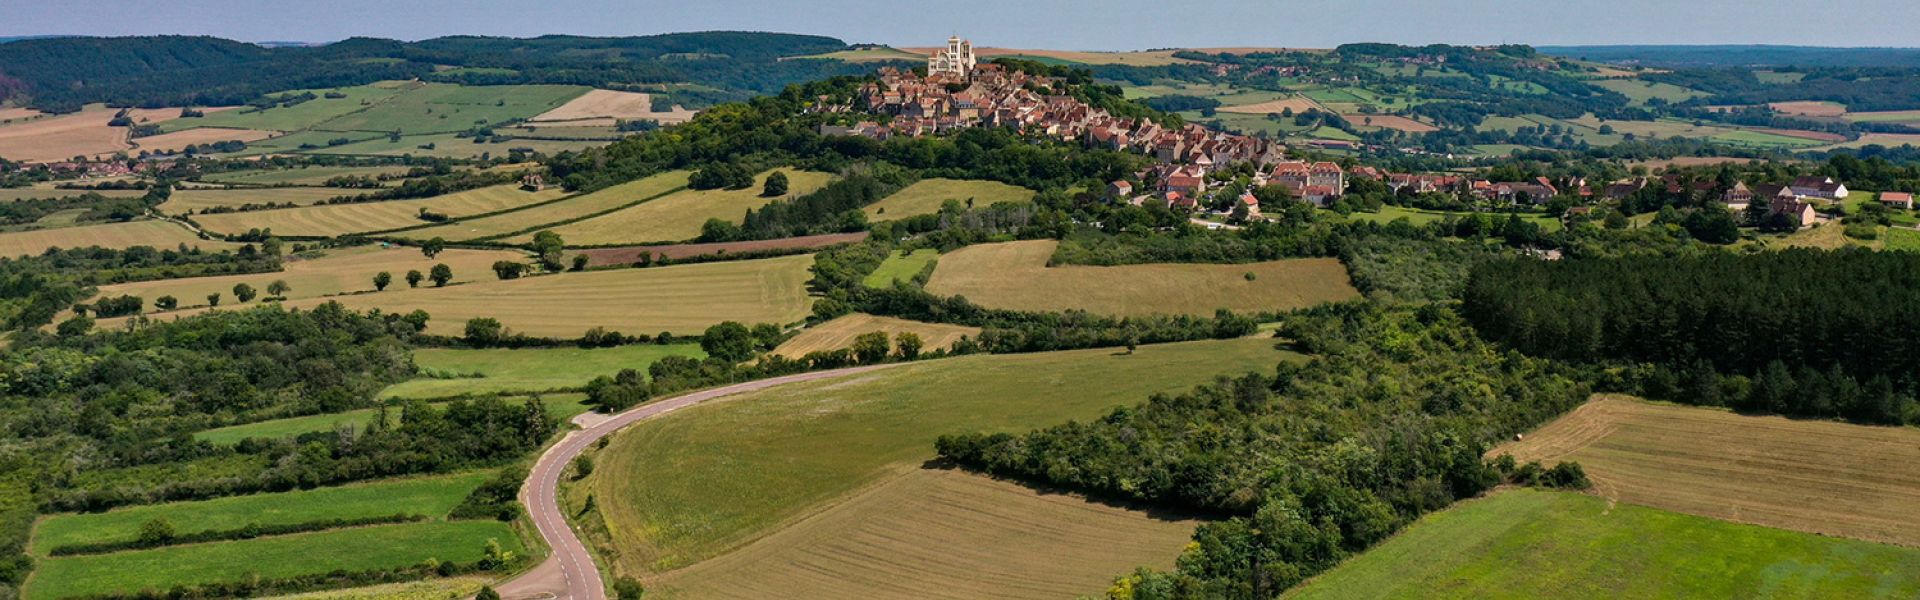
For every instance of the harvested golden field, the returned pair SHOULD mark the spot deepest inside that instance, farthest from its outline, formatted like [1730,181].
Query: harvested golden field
[575,208]
[13,113]
[1015,275]
[1299,104]
[1813,108]
[1389,122]
[190,201]
[683,299]
[180,140]
[1821,477]
[942,534]
[616,105]
[339,271]
[1884,139]
[159,234]
[619,255]
[363,217]
[678,216]
[925,196]
[839,333]
[83,133]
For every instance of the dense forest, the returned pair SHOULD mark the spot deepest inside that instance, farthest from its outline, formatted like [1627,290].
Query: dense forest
[1721,328]
[62,74]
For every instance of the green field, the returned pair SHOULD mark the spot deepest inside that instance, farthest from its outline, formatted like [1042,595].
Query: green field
[1760,139]
[432,497]
[299,116]
[1534,544]
[571,209]
[926,196]
[448,108]
[561,406]
[527,370]
[351,549]
[1898,238]
[901,266]
[678,216]
[1417,216]
[688,486]
[1639,91]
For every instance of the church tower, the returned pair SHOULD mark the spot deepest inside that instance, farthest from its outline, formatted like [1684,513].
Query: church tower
[955,61]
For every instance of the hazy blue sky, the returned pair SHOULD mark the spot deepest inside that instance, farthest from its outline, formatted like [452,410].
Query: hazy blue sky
[1083,25]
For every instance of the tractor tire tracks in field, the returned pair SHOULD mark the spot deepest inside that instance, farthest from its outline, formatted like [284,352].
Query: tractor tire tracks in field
[569,572]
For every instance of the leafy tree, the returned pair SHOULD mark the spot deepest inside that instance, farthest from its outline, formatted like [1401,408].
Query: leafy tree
[279,288]
[381,280]
[157,531]
[871,347]
[579,262]
[487,593]
[213,299]
[484,331]
[76,326]
[627,588]
[433,247]
[548,246]
[243,292]
[776,185]
[414,277]
[507,269]
[908,344]
[166,303]
[582,467]
[441,274]
[729,341]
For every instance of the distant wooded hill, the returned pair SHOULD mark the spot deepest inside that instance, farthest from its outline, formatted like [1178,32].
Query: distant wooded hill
[1742,55]
[62,74]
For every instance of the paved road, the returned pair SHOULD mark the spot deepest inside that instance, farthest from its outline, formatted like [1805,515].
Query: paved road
[569,573]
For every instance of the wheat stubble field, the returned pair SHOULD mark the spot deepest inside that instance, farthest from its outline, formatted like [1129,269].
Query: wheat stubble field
[1015,275]
[1823,477]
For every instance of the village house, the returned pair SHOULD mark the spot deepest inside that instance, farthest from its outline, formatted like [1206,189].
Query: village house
[1738,197]
[1819,187]
[1899,200]
[1799,209]
[1119,190]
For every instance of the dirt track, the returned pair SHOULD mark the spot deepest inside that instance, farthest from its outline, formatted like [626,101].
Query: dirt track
[569,573]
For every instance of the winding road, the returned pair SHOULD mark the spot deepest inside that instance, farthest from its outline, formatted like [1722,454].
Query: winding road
[569,573]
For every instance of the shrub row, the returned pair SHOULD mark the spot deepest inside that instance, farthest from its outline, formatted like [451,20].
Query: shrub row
[250,531]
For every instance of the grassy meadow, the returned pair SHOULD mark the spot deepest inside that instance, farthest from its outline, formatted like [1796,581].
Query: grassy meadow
[924,197]
[838,334]
[1533,544]
[1749,469]
[364,217]
[1014,275]
[710,478]
[571,209]
[561,406]
[527,369]
[901,266]
[678,216]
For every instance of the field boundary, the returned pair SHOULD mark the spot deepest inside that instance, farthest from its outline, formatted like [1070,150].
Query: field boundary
[572,220]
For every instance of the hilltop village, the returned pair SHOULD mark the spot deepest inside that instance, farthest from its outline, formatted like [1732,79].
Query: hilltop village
[959,92]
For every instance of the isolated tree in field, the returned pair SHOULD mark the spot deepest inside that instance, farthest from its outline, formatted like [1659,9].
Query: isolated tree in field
[414,277]
[278,289]
[627,588]
[157,531]
[871,347]
[908,343]
[776,185]
[582,467]
[381,280]
[441,274]
[729,341]
[243,292]
[579,262]
[213,299]
[484,331]
[166,303]
[506,269]
[548,246]
[432,247]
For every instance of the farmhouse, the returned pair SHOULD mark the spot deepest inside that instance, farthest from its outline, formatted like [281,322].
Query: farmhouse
[1794,207]
[1819,187]
[1900,200]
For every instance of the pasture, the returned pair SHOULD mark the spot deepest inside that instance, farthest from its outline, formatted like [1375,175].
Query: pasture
[1015,275]
[304,175]
[926,196]
[678,216]
[1760,470]
[1761,139]
[448,108]
[682,299]
[299,116]
[159,234]
[337,271]
[944,534]
[432,497]
[901,266]
[527,369]
[1890,116]
[1298,104]
[179,141]
[1389,122]
[707,479]
[350,549]
[838,334]
[1526,543]
[561,406]
[366,217]
[569,210]
[190,201]
[1389,214]
[1639,91]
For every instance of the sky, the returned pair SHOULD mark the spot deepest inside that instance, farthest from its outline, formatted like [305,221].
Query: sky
[1052,24]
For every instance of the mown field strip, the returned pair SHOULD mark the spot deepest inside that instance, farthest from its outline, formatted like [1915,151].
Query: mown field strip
[1014,275]
[838,334]
[364,217]
[552,214]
